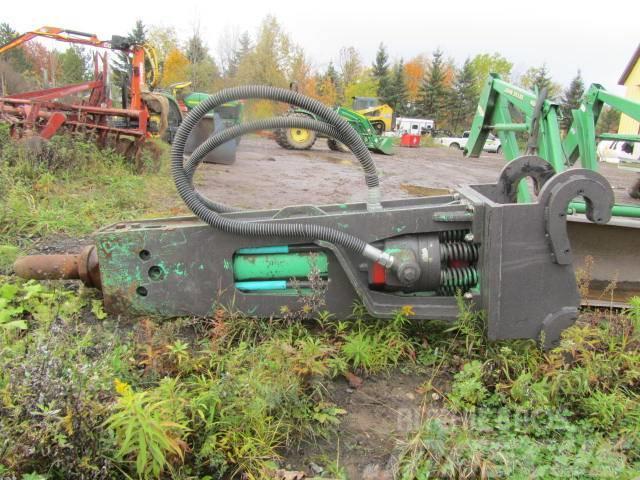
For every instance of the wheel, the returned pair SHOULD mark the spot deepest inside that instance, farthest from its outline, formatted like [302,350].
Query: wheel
[378,127]
[336,146]
[454,145]
[296,138]
[499,150]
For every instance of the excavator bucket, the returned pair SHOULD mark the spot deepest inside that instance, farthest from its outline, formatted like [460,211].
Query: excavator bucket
[210,125]
[381,144]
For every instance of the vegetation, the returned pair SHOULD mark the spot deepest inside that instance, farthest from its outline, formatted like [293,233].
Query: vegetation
[429,85]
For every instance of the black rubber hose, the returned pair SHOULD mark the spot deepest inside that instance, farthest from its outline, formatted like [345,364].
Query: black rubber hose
[230,133]
[183,177]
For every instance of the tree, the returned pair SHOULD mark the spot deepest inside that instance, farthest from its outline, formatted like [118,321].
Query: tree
[571,99]
[350,65]
[464,96]
[485,63]
[202,71]
[121,65]
[380,71]
[537,78]
[433,91]
[608,121]
[73,65]
[363,86]
[16,56]
[270,61]
[176,68]
[398,89]
[414,74]
[164,40]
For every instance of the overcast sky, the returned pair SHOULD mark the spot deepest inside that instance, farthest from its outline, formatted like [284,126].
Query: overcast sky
[596,37]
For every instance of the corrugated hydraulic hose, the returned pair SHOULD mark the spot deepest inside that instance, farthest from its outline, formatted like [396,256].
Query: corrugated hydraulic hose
[230,133]
[334,126]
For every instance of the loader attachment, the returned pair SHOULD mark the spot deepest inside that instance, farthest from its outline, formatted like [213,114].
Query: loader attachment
[380,144]
[210,125]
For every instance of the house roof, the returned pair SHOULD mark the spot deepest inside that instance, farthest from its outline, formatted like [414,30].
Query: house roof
[632,63]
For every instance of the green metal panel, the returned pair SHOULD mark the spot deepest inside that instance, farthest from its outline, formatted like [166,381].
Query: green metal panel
[278,266]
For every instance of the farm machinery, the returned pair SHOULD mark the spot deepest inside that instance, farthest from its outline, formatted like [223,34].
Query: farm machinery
[379,114]
[476,245]
[144,113]
[614,247]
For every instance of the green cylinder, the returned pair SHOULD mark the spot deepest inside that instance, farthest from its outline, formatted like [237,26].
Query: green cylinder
[617,210]
[278,266]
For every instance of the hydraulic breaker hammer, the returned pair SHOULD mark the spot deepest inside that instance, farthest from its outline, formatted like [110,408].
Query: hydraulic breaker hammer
[513,260]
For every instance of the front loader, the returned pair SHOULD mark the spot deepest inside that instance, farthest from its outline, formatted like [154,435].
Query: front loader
[304,139]
[477,245]
[613,247]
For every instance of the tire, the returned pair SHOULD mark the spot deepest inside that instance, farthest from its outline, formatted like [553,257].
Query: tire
[499,150]
[337,146]
[378,127]
[454,145]
[296,138]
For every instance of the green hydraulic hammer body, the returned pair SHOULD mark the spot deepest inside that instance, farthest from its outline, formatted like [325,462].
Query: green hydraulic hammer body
[498,102]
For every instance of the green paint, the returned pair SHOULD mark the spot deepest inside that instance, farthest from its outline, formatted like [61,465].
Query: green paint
[400,228]
[278,266]
[227,264]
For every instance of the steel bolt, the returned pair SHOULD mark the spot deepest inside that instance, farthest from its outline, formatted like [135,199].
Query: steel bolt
[468,296]
[469,237]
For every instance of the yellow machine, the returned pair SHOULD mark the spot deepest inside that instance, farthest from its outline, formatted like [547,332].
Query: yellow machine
[380,115]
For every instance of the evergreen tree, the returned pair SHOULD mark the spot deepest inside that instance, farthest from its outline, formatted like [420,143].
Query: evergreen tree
[243,48]
[380,71]
[398,89]
[15,56]
[571,99]
[464,96]
[433,92]
[121,66]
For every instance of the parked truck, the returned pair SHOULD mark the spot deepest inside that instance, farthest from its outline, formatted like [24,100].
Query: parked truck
[459,143]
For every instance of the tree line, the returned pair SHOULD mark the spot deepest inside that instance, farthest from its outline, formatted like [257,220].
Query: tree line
[430,86]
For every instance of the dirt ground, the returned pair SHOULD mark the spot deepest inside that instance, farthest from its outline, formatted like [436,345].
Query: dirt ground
[267,176]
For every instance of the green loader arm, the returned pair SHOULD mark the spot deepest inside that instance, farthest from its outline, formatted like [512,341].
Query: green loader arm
[497,100]
[581,137]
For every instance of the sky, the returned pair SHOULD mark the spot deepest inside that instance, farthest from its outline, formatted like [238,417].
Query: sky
[596,37]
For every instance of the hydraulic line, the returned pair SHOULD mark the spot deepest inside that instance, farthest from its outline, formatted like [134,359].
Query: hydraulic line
[343,131]
[230,133]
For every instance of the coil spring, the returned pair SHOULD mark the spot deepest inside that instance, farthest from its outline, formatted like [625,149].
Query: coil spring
[467,252]
[452,235]
[460,278]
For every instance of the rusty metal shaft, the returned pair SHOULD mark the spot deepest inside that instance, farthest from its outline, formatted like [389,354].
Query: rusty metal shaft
[82,266]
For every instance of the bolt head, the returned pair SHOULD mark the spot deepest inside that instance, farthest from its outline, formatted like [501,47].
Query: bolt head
[468,296]
[469,237]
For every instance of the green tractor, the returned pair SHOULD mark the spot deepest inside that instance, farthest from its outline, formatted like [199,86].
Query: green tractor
[222,117]
[303,139]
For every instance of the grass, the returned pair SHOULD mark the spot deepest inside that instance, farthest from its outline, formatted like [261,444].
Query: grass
[69,186]
[84,394]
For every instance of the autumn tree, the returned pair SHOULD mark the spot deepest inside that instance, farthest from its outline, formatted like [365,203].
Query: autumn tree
[608,121]
[176,68]
[164,40]
[537,78]
[414,74]
[269,61]
[571,99]
[16,56]
[484,64]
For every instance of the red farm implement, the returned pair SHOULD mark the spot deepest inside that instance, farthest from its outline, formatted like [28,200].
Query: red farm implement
[45,112]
